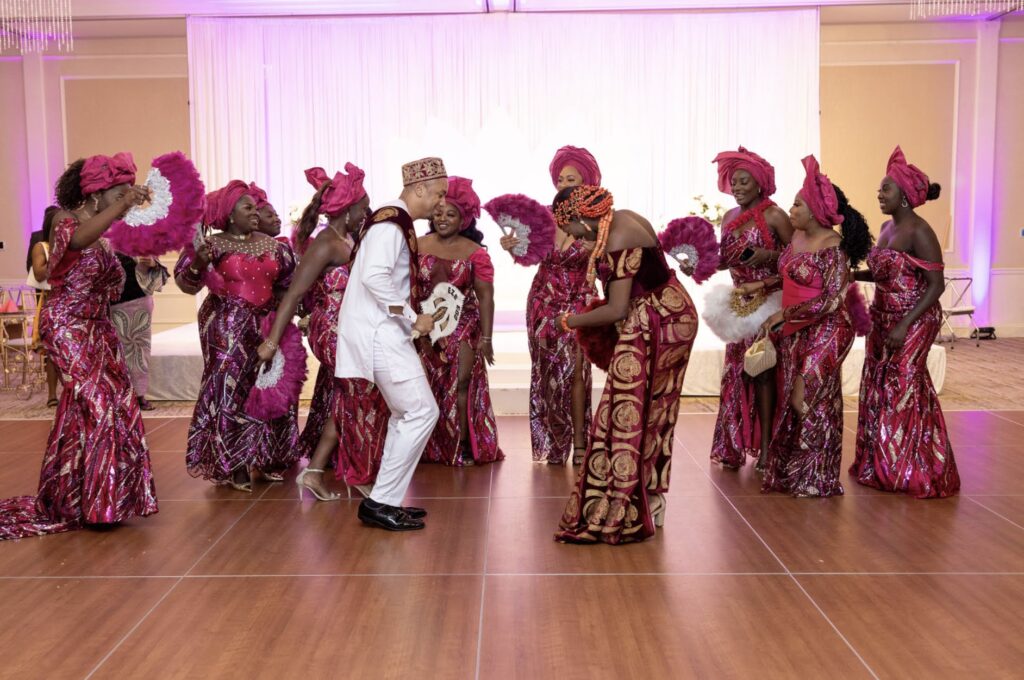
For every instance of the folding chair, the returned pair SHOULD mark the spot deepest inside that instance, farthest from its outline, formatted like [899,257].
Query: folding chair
[959,288]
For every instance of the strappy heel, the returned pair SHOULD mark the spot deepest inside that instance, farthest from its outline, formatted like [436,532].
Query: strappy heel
[301,483]
[577,458]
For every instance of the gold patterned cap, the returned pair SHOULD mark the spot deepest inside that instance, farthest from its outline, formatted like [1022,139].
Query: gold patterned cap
[423,170]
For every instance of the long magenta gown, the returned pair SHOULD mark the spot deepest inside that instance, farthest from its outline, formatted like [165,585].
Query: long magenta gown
[441,362]
[630,448]
[902,442]
[738,427]
[96,467]
[806,450]
[357,407]
[222,438]
[559,286]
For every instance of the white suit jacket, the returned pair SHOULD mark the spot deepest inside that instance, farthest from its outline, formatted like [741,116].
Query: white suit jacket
[379,279]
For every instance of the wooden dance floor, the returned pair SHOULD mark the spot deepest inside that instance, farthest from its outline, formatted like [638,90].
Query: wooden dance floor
[737,585]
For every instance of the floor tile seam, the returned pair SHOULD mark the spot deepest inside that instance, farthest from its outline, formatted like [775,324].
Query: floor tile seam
[778,559]
[997,514]
[132,630]
[221,537]
[1009,420]
[483,581]
[476,574]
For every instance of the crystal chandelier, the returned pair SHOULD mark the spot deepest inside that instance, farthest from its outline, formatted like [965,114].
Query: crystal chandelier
[35,25]
[922,9]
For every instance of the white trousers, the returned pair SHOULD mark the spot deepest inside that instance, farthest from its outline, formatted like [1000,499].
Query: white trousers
[414,414]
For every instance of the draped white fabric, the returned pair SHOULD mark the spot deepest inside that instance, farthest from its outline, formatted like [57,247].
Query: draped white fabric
[653,95]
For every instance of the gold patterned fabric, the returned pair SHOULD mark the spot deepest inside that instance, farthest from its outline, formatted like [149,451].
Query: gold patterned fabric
[631,441]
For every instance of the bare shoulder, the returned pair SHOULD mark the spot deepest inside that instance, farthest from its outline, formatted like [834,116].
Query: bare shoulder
[776,216]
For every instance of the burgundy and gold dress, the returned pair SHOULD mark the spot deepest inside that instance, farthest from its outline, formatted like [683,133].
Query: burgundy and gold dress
[359,411]
[807,448]
[96,467]
[559,286]
[441,362]
[222,438]
[902,442]
[631,445]
[738,428]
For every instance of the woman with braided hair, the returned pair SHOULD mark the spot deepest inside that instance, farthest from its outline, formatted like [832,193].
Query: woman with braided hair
[619,494]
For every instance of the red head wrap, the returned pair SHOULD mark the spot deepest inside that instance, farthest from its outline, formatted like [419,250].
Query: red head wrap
[579,158]
[102,172]
[819,194]
[344,190]
[909,178]
[461,195]
[760,169]
[221,203]
[258,195]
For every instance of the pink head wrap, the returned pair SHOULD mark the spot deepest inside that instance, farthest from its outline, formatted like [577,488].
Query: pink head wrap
[579,158]
[221,203]
[909,178]
[258,195]
[102,172]
[461,195]
[820,195]
[760,169]
[344,190]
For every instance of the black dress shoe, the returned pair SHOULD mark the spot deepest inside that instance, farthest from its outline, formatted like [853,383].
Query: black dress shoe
[412,512]
[387,517]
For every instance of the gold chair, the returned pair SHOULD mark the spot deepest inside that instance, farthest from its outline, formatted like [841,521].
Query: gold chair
[18,354]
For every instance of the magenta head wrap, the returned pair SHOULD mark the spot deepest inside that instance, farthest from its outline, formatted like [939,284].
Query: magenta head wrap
[102,172]
[461,195]
[258,195]
[760,169]
[344,190]
[579,158]
[221,203]
[819,194]
[909,178]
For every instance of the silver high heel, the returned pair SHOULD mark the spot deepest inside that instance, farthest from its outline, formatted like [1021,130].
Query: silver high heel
[299,482]
[657,503]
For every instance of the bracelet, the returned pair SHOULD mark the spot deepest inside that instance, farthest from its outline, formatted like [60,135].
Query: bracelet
[193,271]
[271,343]
[565,322]
[485,337]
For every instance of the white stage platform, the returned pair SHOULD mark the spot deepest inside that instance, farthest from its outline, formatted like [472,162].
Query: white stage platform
[177,366]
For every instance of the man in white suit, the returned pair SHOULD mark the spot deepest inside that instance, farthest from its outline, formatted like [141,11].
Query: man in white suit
[375,338]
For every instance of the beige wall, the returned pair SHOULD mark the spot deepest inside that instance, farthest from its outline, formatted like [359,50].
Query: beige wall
[111,94]
[16,221]
[930,88]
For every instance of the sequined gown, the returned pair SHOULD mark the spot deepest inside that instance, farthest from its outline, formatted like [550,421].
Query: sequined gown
[738,428]
[357,407]
[284,431]
[631,443]
[806,450]
[222,438]
[96,467]
[902,442]
[441,363]
[559,286]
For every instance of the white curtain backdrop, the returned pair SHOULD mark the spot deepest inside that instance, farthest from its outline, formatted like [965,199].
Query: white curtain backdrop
[653,95]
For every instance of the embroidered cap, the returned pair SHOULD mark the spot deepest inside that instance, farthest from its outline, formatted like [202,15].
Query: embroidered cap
[423,170]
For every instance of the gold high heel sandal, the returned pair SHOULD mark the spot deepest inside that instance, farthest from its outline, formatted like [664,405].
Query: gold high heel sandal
[577,458]
[301,483]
